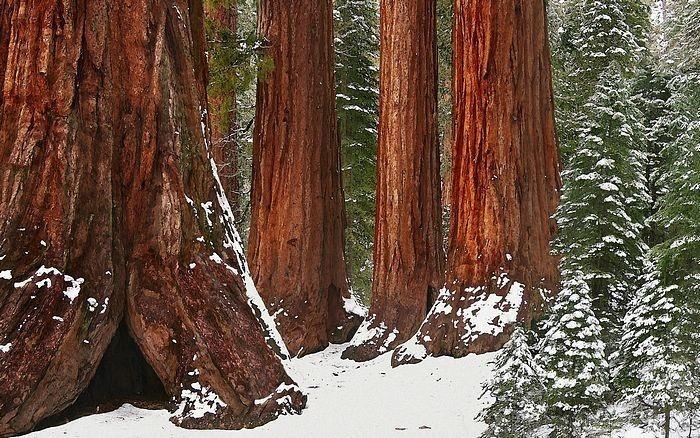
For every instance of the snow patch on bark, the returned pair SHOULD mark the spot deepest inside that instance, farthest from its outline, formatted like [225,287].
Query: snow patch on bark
[283,401]
[371,334]
[72,290]
[6,275]
[5,348]
[198,401]
[353,306]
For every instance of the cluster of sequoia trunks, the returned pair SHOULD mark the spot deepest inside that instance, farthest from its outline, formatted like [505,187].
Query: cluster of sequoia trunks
[504,188]
[111,212]
[113,218]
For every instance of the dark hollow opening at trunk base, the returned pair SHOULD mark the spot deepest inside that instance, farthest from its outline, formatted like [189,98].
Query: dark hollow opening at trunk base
[123,376]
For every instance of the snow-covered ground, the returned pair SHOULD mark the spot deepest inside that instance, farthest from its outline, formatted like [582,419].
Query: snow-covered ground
[436,398]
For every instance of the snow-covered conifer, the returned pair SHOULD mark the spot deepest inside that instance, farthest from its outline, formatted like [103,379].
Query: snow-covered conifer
[515,390]
[357,96]
[601,216]
[572,356]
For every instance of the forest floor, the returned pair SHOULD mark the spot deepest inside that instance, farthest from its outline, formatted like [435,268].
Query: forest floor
[439,397]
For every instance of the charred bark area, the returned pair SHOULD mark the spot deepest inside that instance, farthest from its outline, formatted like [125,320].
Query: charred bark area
[408,244]
[296,240]
[505,182]
[111,210]
[123,376]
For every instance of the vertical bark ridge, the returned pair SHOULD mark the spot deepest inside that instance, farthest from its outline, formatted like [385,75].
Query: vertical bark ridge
[296,243]
[110,208]
[408,245]
[505,182]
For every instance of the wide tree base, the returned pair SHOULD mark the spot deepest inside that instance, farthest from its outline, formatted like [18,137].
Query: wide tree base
[472,319]
[372,340]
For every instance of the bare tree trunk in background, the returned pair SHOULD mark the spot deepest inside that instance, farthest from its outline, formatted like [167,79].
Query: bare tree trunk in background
[224,123]
[505,182]
[296,243]
[111,213]
[407,246]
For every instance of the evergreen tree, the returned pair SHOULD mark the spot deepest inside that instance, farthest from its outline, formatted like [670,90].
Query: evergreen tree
[652,95]
[234,66]
[657,367]
[356,51]
[515,389]
[608,32]
[573,358]
[679,209]
[588,38]
[656,370]
[601,216]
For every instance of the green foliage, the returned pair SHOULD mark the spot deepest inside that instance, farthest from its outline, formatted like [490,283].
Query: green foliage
[656,370]
[356,53]
[601,216]
[444,45]
[572,355]
[515,389]
[235,64]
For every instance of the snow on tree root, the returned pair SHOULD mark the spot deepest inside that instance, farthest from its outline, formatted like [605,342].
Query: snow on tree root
[467,320]
[372,339]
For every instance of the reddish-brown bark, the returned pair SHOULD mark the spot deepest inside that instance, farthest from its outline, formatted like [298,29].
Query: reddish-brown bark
[407,245]
[296,241]
[110,211]
[222,101]
[505,181]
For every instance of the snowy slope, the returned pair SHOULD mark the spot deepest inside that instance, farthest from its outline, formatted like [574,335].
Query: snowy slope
[437,398]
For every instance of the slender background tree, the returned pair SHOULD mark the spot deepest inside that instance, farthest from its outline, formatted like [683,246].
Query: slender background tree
[408,244]
[296,242]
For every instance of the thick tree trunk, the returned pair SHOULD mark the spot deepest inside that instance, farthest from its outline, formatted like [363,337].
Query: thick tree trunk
[407,245]
[224,124]
[505,181]
[296,241]
[110,210]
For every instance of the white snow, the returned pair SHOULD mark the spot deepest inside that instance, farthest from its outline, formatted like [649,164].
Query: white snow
[436,398]
[6,275]
[73,290]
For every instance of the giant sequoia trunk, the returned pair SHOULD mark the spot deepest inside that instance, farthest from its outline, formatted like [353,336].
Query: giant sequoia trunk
[296,243]
[223,17]
[505,181]
[111,213]
[407,244]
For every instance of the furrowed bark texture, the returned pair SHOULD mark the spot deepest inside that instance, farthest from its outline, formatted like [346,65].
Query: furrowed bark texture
[110,209]
[296,241]
[407,246]
[505,182]
[224,123]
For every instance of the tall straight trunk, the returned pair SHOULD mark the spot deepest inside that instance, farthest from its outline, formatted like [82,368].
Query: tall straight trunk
[505,181]
[111,212]
[222,101]
[296,243]
[407,245]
